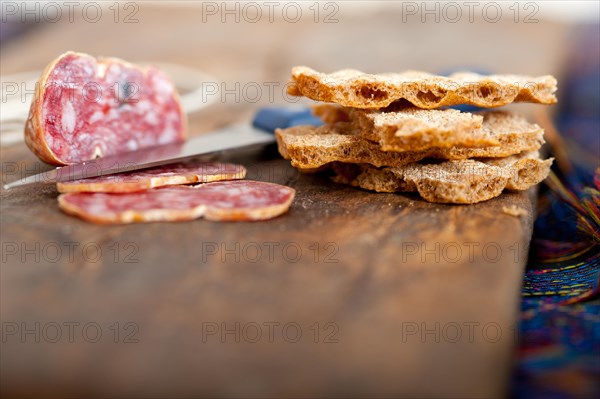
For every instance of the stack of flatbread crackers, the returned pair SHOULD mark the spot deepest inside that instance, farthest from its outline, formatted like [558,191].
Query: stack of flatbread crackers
[391,132]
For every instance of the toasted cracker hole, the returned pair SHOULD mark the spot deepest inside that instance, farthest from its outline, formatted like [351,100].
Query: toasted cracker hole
[372,93]
[522,175]
[488,92]
[485,91]
[429,96]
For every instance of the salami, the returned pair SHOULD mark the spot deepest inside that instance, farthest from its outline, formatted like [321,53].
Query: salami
[85,108]
[167,175]
[239,200]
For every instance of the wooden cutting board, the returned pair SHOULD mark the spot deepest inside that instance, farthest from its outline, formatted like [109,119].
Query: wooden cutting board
[349,294]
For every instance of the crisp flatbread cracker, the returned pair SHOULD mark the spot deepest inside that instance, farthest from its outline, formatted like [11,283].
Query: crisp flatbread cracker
[310,147]
[415,129]
[353,88]
[460,182]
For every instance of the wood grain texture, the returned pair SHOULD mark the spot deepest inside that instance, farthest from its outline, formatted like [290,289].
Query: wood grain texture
[385,264]
[376,266]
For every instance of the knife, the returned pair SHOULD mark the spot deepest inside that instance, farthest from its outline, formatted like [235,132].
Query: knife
[259,133]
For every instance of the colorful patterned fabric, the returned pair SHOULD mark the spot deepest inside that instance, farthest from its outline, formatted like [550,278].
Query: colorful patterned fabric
[559,351]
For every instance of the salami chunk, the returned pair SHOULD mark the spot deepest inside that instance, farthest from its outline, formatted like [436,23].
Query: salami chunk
[240,200]
[166,175]
[85,108]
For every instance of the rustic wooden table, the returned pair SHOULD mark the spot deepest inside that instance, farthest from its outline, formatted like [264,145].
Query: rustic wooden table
[349,294]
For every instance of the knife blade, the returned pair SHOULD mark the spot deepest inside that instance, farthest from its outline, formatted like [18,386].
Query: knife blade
[259,133]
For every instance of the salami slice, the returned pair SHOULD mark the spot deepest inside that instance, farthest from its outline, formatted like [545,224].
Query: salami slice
[239,200]
[85,108]
[167,175]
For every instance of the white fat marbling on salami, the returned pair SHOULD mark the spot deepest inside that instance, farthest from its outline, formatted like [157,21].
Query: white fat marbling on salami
[151,117]
[69,117]
[96,116]
[89,106]
[166,175]
[131,145]
[101,70]
[241,200]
